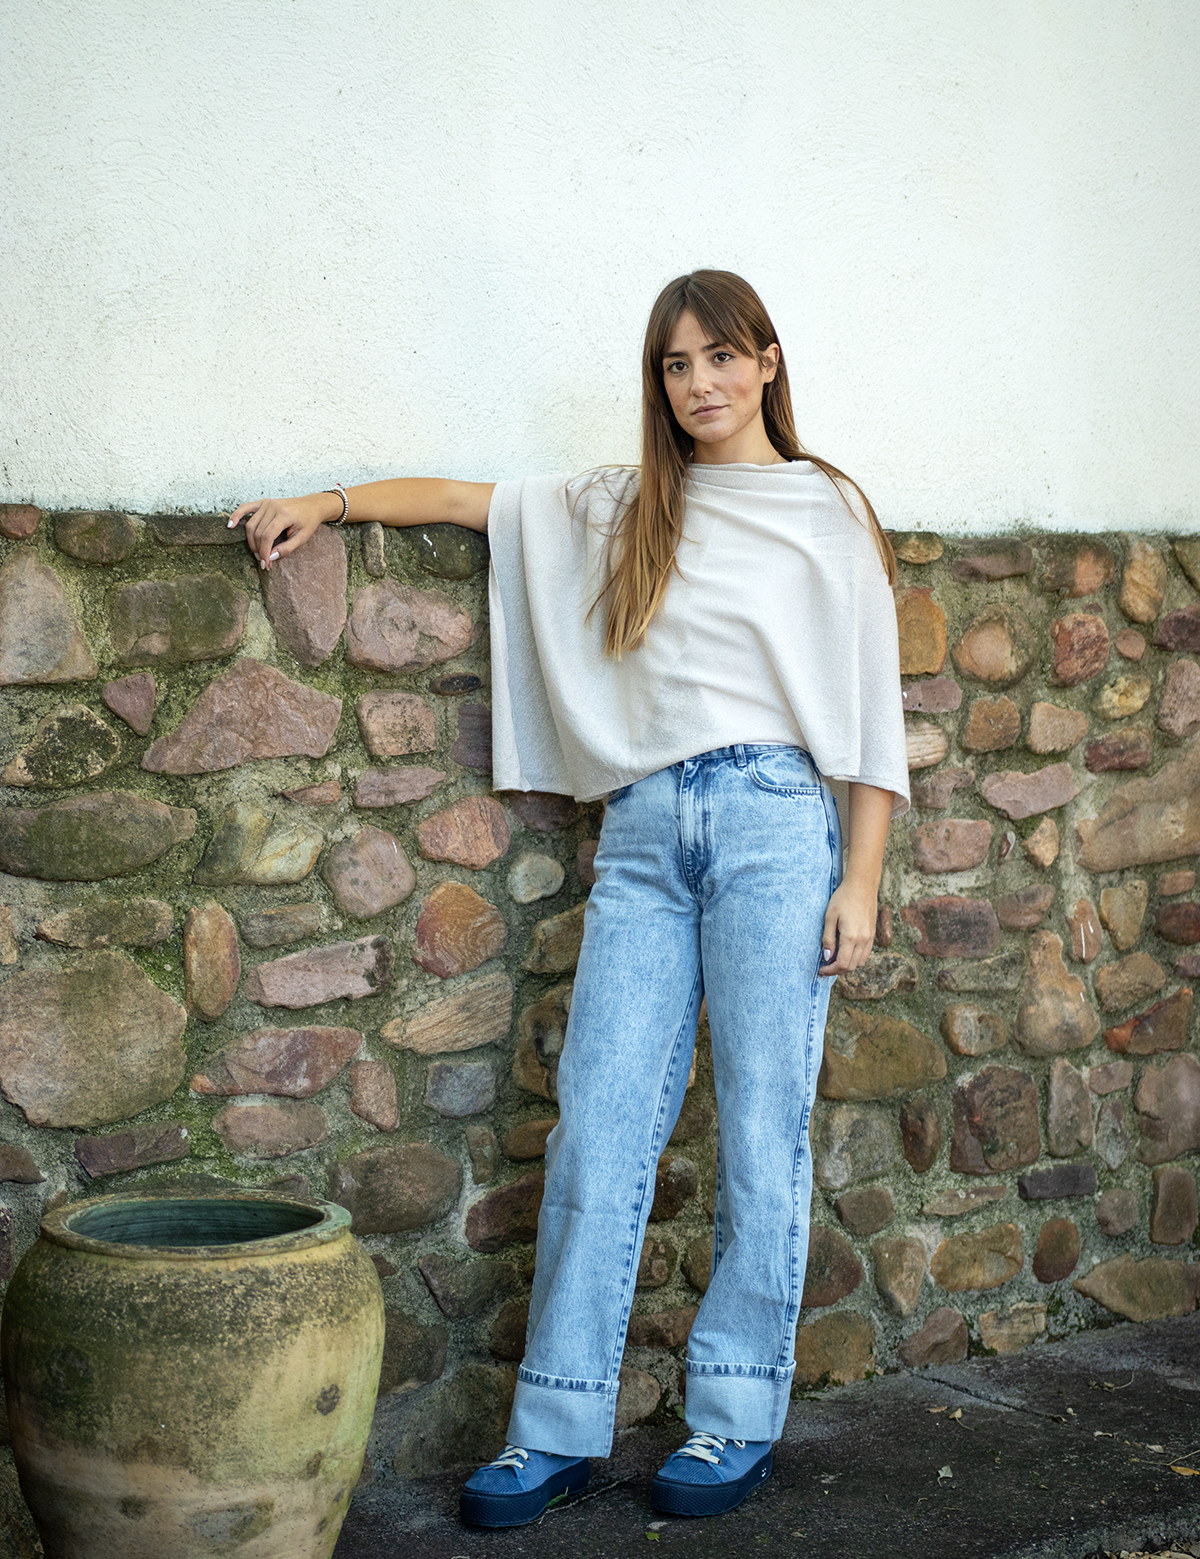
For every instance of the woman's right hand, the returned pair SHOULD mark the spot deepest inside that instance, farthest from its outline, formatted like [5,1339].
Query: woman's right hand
[267,519]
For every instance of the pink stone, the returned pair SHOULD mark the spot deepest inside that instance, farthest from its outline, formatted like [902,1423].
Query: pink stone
[1117,1212]
[1081,571]
[40,637]
[1130,748]
[472,832]
[349,969]
[1129,980]
[396,724]
[933,792]
[585,858]
[1080,648]
[373,1096]
[155,1142]
[1057,1253]
[270,1130]
[1025,795]
[1085,931]
[953,927]
[1171,883]
[305,597]
[1168,1110]
[1173,1212]
[1041,848]
[1188,967]
[1068,1111]
[942,1340]
[1110,1078]
[369,873]
[995,1122]
[171,622]
[457,931]
[1143,583]
[395,787]
[1111,1141]
[1026,909]
[1054,729]
[1146,820]
[395,628]
[969,1030]
[132,698]
[1054,1013]
[1130,644]
[250,711]
[1180,630]
[325,794]
[542,810]
[1163,1027]
[1179,709]
[936,697]
[18,521]
[212,965]
[294,1063]
[998,646]
[1002,563]
[1179,923]
[951,846]
[472,747]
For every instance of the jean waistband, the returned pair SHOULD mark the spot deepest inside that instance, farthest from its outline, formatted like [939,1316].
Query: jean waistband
[742,752]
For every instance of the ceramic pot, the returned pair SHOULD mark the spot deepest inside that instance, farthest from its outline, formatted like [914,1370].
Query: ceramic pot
[191,1375]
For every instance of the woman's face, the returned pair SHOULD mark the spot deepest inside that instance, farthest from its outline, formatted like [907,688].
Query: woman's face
[715,391]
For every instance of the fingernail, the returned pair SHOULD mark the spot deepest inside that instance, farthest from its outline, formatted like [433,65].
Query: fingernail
[229,524]
[826,955]
[274,555]
[262,562]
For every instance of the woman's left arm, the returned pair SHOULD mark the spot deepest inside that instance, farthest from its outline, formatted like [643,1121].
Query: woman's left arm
[850,919]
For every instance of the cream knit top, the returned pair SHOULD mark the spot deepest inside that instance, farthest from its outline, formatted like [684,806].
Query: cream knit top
[779,627]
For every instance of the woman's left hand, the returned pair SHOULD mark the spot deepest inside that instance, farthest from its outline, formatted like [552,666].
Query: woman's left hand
[849,932]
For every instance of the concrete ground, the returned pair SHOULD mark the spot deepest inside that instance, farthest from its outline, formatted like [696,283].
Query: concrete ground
[1072,1450]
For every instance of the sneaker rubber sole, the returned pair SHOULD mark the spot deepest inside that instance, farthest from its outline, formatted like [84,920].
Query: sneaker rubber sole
[515,1510]
[676,1498]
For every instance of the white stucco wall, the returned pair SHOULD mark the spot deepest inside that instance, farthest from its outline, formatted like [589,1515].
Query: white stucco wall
[257,245]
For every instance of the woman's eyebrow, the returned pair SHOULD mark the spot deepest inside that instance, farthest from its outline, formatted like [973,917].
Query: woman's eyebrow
[711,347]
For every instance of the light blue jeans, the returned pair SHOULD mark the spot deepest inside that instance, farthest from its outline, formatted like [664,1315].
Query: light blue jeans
[712,880]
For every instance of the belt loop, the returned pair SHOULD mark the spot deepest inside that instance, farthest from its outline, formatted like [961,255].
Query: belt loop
[739,753]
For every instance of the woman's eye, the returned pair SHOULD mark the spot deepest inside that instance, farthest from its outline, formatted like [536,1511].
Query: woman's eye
[722,357]
[675,368]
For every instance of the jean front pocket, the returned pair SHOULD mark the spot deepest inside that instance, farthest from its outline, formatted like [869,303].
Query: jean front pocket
[785,771]
[616,795]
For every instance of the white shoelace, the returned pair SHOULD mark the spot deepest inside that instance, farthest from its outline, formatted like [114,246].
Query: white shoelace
[702,1446]
[511,1456]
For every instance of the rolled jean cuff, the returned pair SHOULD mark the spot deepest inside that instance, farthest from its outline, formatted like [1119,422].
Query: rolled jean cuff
[738,1401]
[563,1416]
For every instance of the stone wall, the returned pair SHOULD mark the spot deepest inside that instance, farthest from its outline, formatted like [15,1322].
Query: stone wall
[267,923]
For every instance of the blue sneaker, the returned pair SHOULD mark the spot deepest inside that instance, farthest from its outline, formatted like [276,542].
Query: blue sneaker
[709,1475]
[519,1485]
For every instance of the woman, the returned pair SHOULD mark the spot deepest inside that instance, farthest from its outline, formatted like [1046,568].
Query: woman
[707,641]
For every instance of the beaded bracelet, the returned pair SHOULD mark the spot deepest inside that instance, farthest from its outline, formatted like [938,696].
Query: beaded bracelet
[341,492]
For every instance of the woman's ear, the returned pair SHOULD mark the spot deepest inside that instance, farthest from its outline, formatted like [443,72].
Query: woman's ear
[770,362]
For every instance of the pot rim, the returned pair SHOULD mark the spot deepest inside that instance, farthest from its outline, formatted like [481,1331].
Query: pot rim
[333,1225]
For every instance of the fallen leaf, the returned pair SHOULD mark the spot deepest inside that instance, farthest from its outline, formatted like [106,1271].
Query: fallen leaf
[945,1472]
[1187,1472]
[1157,1449]
[957,1413]
[1101,1434]
[939,1409]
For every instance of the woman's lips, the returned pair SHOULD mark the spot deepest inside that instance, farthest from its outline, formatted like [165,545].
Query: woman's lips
[707,411]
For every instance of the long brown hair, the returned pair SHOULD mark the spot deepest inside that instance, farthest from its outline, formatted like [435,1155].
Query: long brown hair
[645,539]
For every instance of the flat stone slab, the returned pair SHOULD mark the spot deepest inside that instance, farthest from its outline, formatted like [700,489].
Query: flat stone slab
[89,1045]
[70,746]
[40,636]
[291,1063]
[109,923]
[395,628]
[171,622]
[107,834]
[305,597]
[350,969]
[250,711]
[860,1469]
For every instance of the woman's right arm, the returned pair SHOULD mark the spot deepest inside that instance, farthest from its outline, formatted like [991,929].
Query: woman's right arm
[418,500]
